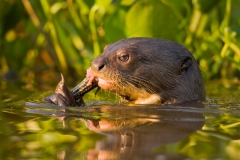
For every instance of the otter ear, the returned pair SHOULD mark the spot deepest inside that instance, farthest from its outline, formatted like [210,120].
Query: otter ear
[185,62]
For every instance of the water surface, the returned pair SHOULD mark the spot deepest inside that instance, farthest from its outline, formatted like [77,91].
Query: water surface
[30,129]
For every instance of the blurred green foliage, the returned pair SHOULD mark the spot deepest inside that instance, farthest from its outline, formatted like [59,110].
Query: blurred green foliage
[41,38]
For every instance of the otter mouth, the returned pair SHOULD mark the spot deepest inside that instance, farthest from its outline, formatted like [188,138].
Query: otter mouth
[101,82]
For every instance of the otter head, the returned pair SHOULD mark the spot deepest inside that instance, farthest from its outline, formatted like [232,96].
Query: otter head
[149,71]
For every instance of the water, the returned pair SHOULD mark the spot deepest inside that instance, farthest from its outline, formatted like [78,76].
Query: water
[30,129]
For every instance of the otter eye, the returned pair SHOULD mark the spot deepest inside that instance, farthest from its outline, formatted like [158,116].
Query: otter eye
[124,57]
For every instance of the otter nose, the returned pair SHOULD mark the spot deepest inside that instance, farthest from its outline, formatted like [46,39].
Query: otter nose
[98,64]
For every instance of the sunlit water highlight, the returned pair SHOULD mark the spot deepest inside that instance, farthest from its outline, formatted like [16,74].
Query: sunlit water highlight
[30,129]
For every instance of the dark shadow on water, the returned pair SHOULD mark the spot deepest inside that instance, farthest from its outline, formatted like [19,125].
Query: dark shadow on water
[132,132]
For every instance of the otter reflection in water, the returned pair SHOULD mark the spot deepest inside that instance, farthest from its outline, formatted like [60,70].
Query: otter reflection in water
[134,132]
[145,71]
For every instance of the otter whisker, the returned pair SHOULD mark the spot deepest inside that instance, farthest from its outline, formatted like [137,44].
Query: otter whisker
[139,82]
[146,81]
[142,85]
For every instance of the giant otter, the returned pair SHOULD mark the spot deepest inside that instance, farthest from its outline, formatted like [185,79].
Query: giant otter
[146,71]
[149,71]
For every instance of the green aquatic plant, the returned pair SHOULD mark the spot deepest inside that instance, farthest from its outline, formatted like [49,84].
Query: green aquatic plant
[48,37]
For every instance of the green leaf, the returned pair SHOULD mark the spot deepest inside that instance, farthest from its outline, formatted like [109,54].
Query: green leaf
[114,26]
[151,19]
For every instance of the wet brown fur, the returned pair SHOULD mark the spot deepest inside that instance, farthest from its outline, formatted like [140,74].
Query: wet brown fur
[158,71]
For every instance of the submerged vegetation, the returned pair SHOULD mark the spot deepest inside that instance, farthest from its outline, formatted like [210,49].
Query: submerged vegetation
[40,39]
